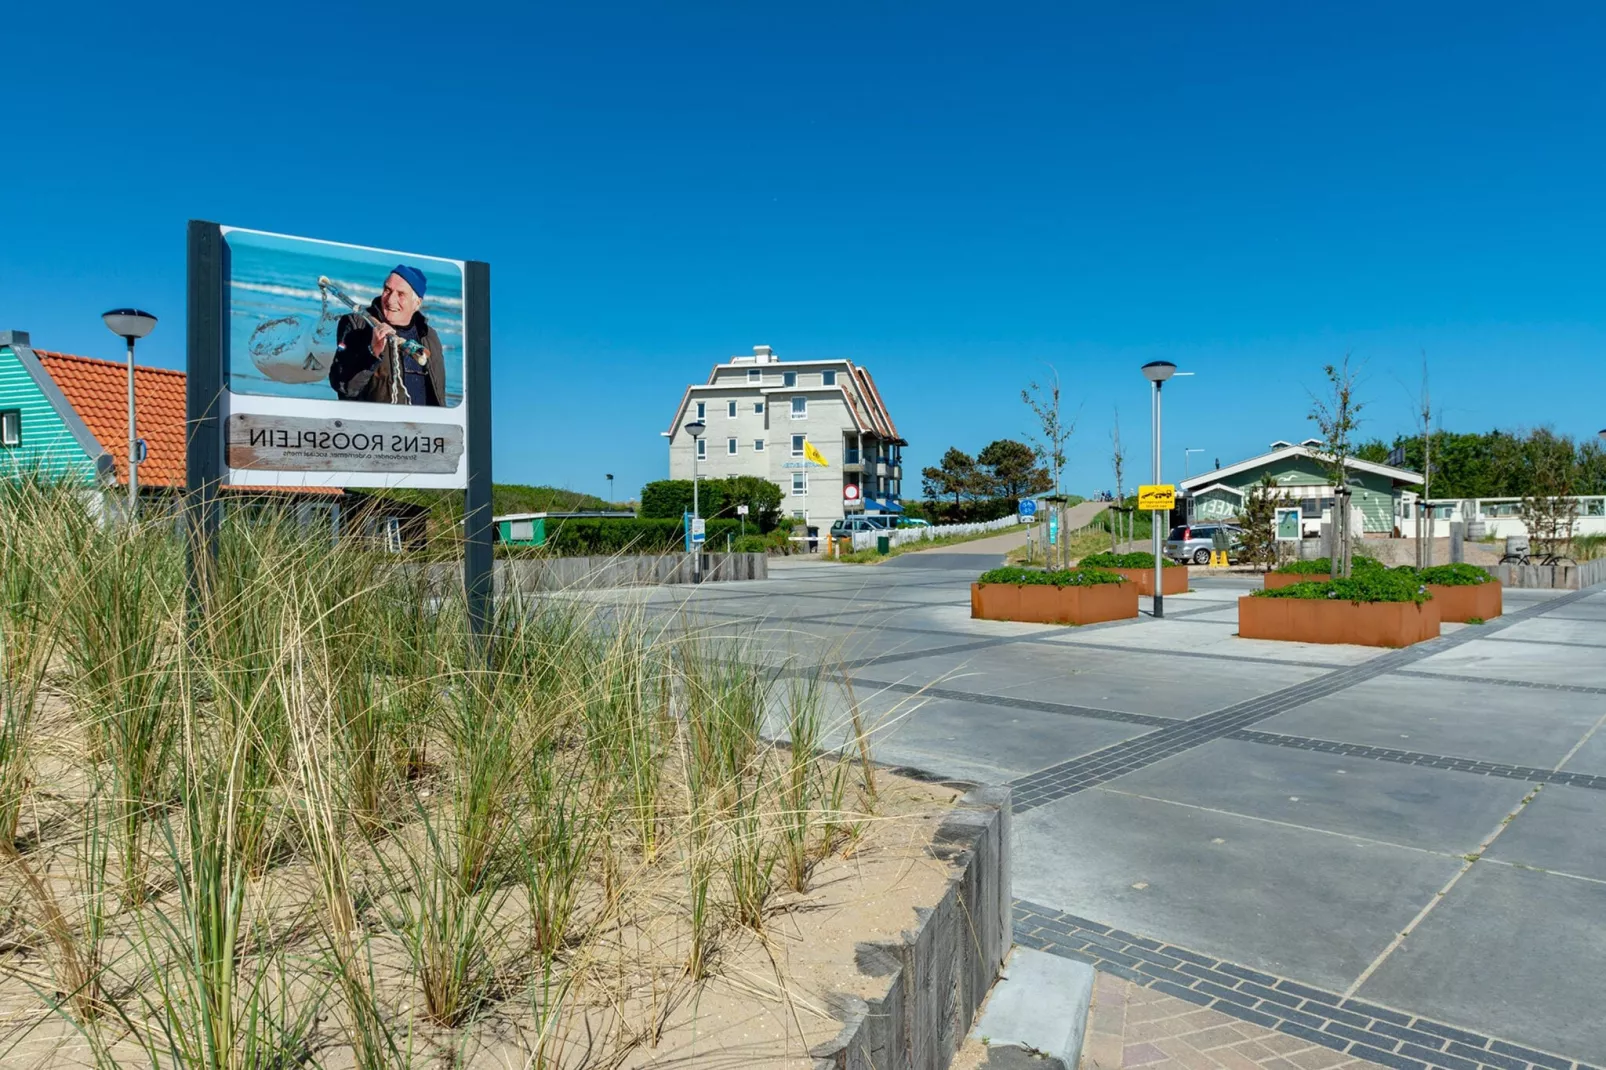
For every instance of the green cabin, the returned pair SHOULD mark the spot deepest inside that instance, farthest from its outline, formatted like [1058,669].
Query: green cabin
[1378,492]
[530,529]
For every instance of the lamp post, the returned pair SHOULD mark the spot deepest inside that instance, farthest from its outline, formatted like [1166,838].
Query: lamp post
[1187,455]
[695,429]
[610,488]
[1157,372]
[131,325]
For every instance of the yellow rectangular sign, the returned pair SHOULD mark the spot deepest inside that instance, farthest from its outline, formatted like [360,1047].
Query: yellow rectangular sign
[1157,496]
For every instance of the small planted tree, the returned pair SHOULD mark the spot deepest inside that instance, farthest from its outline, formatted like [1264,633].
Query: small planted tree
[1336,414]
[1260,524]
[1118,462]
[1549,511]
[1053,433]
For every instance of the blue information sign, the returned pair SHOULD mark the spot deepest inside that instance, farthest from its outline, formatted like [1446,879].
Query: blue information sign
[1028,507]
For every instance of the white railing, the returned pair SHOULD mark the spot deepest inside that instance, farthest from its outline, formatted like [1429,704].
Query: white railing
[865,540]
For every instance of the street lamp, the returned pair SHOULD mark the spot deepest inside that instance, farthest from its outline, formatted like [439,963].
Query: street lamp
[610,488]
[1157,372]
[695,429]
[131,325]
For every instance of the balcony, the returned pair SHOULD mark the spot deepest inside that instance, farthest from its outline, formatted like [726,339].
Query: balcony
[850,461]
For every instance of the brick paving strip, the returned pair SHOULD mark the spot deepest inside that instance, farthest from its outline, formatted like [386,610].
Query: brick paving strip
[1285,1011]
[1130,1026]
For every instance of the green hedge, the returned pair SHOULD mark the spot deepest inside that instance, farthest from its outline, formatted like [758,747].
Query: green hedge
[1458,575]
[1137,559]
[1358,563]
[586,536]
[1074,577]
[1366,585]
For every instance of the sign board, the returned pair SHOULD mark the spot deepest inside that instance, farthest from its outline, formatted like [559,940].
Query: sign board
[1397,456]
[342,365]
[850,492]
[1288,528]
[741,510]
[699,530]
[1157,496]
[1053,528]
[1028,507]
[142,452]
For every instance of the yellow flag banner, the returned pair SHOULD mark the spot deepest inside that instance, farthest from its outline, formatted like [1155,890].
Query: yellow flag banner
[812,453]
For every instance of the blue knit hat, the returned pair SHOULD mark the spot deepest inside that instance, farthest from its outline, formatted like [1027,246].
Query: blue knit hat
[412,276]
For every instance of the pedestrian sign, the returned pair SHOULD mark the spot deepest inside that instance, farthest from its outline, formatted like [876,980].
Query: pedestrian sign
[1028,507]
[1053,529]
[1157,496]
[699,529]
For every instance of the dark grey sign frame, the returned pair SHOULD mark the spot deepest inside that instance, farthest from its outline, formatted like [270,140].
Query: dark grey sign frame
[208,316]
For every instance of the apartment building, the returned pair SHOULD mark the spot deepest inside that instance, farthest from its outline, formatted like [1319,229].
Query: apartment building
[761,413]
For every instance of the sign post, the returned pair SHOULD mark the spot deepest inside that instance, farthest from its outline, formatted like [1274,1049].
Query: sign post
[1156,498]
[1028,509]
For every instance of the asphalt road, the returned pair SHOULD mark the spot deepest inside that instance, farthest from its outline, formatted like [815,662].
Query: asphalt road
[1401,852]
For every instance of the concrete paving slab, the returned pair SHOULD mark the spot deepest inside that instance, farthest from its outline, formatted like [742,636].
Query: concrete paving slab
[1559,830]
[1529,662]
[1433,809]
[1494,724]
[1591,757]
[1521,954]
[1308,905]
[1039,1004]
[1135,683]
[971,741]
[1557,629]
[1187,634]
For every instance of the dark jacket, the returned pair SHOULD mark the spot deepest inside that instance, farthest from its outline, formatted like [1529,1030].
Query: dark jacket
[358,375]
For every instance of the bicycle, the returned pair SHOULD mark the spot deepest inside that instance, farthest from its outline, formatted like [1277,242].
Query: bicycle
[1546,559]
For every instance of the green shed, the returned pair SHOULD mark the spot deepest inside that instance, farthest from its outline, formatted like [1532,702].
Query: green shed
[530,529]
[1302,477]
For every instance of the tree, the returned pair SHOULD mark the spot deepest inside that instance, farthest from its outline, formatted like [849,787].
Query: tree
[1009,469]
[1337,416]
[1549,510]
[1118,461]
[1053,432]
[762,498]
[956,476]
[1260,524]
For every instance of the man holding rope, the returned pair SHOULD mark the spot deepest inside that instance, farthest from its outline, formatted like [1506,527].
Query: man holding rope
[371,365]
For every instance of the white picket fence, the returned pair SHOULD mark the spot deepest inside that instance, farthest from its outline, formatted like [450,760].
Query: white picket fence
[866,540]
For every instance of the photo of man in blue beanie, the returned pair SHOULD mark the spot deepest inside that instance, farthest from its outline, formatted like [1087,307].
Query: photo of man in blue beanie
[389,354]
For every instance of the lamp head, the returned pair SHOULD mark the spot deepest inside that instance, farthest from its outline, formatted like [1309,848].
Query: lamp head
[1158,371]
[696,428]
[1603,434]
[129,323]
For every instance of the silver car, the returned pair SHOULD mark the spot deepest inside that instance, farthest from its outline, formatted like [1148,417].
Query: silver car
[1193,542]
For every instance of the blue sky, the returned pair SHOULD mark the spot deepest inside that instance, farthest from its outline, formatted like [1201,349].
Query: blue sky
[953,195]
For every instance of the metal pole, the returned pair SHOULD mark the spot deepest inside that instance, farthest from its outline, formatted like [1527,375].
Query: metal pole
[696,549]
[1159,599]
[133,441]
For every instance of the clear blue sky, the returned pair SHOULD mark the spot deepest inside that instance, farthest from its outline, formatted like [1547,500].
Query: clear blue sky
[952,195]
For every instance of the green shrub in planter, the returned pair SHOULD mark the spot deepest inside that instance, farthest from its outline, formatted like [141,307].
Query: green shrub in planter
[1324,566]
[1073,577]
[1458,575]
[1132,560]
[1366,585]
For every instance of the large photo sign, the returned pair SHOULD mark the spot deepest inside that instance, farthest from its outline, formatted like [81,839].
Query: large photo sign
[344,365]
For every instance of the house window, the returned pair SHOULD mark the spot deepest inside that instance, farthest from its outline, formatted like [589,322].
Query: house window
[758,408]
[800,408]
[11,428]
[1310,508]
[754,375]
[702,409]
[797,445]
[730,410]
[730,446]
[789,378]
[798,514]
[828,378]
[702,449]
[758,445]
[800,484]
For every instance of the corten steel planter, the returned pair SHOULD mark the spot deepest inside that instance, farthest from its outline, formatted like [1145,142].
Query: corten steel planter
[1334,620]
[1173,580]
[1462,603]
[1045,604]
[1276,580]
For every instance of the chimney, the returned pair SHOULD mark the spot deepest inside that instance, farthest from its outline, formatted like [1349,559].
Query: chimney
[15,338]
[763,355]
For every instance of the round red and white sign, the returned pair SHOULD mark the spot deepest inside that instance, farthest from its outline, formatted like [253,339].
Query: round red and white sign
[850,492]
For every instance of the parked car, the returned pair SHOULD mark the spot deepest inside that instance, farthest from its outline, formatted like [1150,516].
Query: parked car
[841,529]
[913,522]
[1193,542]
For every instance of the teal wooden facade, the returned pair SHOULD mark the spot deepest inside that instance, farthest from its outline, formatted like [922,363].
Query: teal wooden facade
[1374,488]
[53,441]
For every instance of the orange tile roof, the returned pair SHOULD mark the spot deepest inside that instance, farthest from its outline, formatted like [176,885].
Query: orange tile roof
[98,391]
